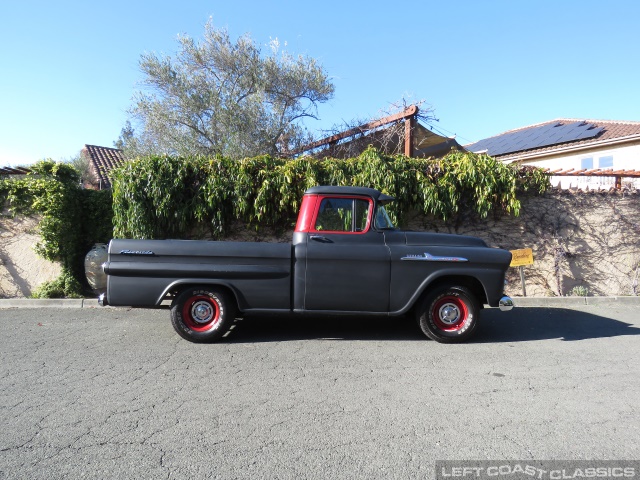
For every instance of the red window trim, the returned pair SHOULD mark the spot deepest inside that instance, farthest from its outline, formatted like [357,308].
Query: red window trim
[307,213]
[318,202]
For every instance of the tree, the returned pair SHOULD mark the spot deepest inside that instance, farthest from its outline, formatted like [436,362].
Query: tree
[80,162]
[219,97]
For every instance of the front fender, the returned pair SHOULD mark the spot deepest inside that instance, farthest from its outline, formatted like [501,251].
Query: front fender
[489,281]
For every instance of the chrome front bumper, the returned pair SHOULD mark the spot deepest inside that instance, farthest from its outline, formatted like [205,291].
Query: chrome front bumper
[505,304]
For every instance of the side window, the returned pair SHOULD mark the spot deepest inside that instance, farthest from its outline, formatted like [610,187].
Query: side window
[361,208]
[343,215]
[586,163]
[604,162]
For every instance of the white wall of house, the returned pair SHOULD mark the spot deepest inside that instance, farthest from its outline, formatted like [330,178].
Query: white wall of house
[622,157]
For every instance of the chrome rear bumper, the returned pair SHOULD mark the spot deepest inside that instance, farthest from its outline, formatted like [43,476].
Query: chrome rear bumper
[102,300]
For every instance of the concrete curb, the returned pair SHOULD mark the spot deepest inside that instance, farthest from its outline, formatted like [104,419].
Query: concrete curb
[573,301]
[48,303]
[566,302]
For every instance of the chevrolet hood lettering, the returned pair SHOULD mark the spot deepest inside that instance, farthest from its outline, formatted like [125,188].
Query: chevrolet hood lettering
[427,257]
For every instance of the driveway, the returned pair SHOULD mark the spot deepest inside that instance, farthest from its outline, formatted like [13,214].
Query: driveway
[115,393]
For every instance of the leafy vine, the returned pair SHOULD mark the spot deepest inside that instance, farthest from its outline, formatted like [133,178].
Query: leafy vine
[165,197]
[71,220]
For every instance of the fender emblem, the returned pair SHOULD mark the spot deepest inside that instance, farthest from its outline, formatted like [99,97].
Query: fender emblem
[427,257]
[136,252]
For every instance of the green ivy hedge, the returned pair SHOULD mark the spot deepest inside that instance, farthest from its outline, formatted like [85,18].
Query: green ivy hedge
[163,197]
[72,220]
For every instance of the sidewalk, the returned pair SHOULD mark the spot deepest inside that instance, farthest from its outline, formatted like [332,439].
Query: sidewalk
[566,302]
[573,301]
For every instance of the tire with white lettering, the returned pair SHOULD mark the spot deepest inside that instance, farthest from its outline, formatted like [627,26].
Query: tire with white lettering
[202,314]
[449,314]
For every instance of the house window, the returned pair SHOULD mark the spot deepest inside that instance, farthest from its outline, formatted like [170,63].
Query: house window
[586,163]
[604,162]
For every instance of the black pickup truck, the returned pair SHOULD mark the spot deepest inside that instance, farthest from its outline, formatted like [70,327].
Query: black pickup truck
[346,258]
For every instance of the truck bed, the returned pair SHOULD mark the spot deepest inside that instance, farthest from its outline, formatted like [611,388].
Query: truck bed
[144,272]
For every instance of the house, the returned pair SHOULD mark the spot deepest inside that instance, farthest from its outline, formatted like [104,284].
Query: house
[12,171]
[101,161]
[593,154]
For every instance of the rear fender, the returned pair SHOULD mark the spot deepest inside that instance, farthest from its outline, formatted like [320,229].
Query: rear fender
[179,285]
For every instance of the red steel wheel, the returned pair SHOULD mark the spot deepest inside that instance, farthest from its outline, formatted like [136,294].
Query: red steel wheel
[448,314]
[202,314]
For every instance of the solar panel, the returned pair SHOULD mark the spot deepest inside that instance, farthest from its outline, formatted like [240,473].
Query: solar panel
[536,137]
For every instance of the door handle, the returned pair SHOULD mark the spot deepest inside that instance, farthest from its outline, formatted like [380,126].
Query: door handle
[321,239]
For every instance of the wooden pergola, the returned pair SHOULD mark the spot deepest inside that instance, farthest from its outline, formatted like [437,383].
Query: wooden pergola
[408,115]
[596,172]
[407,136]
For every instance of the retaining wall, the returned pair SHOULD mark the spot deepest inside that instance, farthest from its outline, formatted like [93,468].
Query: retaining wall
[579,239]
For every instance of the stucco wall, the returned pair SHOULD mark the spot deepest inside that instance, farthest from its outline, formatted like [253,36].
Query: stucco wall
[578,239]
[21,270]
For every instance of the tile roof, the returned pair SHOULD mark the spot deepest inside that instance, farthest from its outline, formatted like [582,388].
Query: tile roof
[103,160]
[608,131]
[14,170]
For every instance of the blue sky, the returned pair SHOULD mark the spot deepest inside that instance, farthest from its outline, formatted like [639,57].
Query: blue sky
[68,69]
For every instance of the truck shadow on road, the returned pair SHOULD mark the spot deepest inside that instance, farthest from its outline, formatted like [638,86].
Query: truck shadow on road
[521,325]
[258,329]
[527,324]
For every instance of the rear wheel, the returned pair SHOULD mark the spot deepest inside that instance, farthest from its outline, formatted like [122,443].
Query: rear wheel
[448,315]
[202,314]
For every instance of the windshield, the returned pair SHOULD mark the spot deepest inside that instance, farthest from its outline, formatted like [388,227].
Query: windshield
[382,221]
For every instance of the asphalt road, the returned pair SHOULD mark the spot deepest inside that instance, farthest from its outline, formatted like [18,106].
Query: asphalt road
[114,393]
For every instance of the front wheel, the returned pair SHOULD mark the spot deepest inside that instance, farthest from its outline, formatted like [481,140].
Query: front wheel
[202,314]
[448,315]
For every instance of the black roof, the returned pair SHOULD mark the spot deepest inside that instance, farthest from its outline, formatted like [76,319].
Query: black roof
[377,195]
[536,136]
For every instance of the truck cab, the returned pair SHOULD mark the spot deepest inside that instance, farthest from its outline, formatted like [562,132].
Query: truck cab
[344,257]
